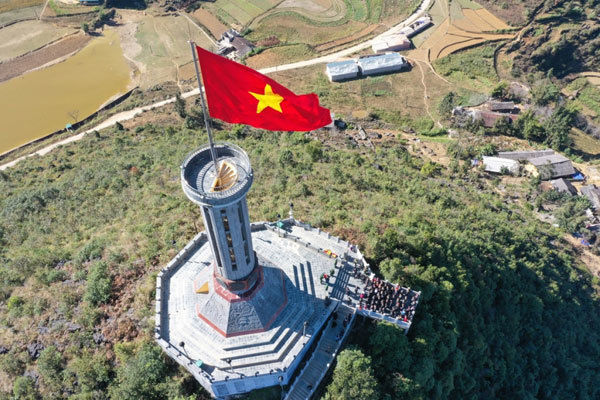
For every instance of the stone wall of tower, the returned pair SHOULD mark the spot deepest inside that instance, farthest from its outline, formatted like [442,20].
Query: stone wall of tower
[228,228]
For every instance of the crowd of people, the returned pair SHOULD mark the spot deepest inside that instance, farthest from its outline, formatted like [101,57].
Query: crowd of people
[385,298]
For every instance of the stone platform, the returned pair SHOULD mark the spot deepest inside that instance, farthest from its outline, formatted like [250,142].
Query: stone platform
[293,260]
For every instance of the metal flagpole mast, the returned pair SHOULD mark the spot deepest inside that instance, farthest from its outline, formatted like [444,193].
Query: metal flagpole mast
[213,152]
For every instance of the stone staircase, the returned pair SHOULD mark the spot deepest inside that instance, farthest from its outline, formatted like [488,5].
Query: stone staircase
[322,357]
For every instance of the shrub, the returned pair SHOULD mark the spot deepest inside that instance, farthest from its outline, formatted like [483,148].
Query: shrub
[435,132]
[98,286]
[315,150]
[430,168]
[90,251]
[15,304]
[180,106]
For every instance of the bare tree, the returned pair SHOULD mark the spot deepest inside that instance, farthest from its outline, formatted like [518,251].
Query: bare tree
[74,114]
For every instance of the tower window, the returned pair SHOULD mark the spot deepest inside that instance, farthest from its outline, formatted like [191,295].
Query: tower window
[226,223]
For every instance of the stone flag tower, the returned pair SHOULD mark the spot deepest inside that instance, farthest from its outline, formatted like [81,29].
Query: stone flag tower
[238,301]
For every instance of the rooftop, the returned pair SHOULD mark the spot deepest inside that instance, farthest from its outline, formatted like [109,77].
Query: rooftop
[563,186]
[381,62]
[342,67]
[557,166]
[500,105]
[525,155]
[593,194]
[497,164]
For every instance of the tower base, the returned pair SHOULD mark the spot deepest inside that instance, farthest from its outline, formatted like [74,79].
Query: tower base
[232,315]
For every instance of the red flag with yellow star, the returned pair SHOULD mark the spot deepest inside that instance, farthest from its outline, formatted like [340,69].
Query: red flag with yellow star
[240,95]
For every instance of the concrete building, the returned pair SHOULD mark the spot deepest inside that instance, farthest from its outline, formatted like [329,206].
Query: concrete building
[342,70]
[416,27]
[242,304]
[501,165]
[550,167]
[381,64]
[525,155]
[501,106]
[395,42]
[233,45]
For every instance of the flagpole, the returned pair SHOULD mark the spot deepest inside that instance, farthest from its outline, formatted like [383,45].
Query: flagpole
[213,152]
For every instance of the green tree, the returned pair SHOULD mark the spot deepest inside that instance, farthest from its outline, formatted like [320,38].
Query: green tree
[92,374]
[99,284]
[559,126]
[502,126]
[390,350]
[528,126]
[50,367]
[85,28]
[353,377]
[24,389]
[500,91]
[286,158]
[571,215]
[142,377]
[545,92]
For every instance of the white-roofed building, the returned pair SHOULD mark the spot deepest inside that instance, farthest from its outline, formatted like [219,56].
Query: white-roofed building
[418,26]
[501,165]
[342,70]
[381,64]
[395,42]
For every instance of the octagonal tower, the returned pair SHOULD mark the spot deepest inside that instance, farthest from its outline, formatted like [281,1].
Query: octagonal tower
[237,301]
[222,198]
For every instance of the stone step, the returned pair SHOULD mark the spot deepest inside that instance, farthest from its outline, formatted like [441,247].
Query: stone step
[279,353]
[218,356]
[290,317]
[299,393]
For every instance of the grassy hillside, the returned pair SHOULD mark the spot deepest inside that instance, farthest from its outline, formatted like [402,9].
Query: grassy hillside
[506,312]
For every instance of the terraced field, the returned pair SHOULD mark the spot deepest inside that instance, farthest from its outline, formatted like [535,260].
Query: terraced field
[461,28]
[23,37]
[20,14]
[9,5]
[239,13]
[164,49]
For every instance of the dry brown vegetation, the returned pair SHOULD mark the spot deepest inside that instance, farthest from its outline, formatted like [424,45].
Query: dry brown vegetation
[212,23]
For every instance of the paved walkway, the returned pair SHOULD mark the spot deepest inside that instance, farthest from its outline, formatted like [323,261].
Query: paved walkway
[127,115]
[322,358]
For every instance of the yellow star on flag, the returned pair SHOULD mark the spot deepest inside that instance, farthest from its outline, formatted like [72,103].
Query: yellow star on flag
[269,99]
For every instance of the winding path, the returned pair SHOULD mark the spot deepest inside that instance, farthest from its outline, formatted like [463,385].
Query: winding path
[127,115]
